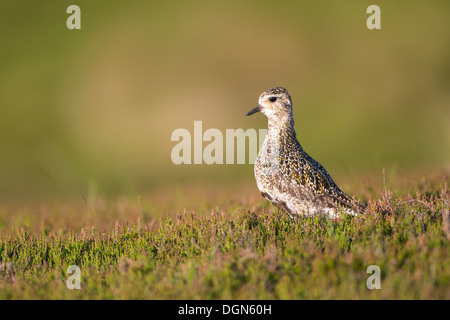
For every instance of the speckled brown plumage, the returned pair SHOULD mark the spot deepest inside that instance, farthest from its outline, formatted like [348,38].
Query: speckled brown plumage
[285,174]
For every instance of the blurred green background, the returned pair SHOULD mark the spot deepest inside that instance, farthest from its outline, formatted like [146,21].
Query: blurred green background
[95,108]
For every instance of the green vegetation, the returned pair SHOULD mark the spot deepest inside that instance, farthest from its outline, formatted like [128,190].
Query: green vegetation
[252,253]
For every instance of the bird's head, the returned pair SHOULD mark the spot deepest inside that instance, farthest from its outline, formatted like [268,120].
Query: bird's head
[274,102]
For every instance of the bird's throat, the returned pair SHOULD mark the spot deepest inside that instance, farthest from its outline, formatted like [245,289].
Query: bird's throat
[277,125]
[281,132]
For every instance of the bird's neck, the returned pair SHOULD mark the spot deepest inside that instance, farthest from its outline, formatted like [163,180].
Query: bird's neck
[278,124]
[281,130]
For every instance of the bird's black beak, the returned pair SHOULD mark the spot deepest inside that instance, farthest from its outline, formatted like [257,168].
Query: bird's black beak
[254,110]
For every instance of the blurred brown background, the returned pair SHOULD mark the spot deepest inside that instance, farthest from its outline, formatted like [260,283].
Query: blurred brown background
[95,108]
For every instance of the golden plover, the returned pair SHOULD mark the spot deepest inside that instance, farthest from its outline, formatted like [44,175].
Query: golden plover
[285,174]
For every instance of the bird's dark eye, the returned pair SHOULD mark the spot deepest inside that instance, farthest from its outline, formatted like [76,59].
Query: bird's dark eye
[273,99]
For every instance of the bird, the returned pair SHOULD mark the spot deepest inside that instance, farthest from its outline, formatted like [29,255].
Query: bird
[289,177]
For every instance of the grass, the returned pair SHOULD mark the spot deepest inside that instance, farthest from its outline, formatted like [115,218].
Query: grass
[241,252]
